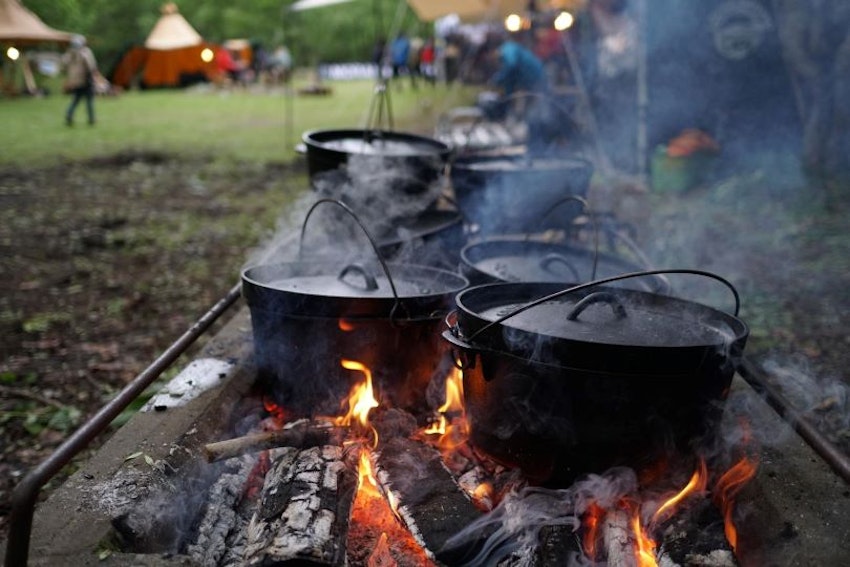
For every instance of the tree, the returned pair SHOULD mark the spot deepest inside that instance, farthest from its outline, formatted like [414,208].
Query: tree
[343,33]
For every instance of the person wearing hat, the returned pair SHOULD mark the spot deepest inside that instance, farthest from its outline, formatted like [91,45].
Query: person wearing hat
[80,73]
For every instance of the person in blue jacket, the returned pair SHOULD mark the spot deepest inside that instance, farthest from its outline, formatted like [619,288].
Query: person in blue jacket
[519,70]
[521,77]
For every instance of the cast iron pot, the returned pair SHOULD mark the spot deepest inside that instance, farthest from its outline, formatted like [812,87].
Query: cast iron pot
[519,259]
[308,316]
[406,162]
[592,377]
[512,194]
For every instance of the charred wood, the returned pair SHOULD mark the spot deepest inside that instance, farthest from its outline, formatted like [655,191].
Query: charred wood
[557,545]
[304,510]
[431,504]
[301,435]
[221,526]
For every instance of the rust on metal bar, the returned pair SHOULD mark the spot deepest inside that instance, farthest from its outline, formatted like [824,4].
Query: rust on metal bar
[25,494]
[834,457]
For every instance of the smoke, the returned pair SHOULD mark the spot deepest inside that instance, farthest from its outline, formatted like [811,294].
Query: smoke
[517,520]
[822,399]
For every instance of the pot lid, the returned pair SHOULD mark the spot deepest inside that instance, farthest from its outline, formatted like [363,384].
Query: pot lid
[375,142]
[334,280]
[330,289]
[512,259]
[598,315]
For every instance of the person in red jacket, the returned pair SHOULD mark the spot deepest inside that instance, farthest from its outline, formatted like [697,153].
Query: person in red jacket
[227,66]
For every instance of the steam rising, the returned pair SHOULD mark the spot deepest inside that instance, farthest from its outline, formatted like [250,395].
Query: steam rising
[516,522]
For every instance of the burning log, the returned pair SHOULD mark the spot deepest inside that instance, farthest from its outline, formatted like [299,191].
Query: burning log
[431,504]
[304,512]
[618,539]
[300,435]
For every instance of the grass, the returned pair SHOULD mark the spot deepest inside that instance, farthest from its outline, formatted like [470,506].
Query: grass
[253,124]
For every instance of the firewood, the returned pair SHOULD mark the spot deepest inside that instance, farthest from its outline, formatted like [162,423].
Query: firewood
[431,504]
[299,436]
[304,510]
[619,544]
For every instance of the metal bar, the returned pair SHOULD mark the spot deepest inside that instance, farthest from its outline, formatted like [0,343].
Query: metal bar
[25,494]
[834,457]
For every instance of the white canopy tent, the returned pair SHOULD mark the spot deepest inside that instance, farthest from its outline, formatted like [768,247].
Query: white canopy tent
[430,10]
[302,5]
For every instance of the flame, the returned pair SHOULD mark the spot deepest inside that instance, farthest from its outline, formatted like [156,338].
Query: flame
[345,325]
[593,517]
[483,495]
[365,477]
[727,488]
[697,484]
[367,483]
[455,431]
[361,400]
[454,392]
[645,548]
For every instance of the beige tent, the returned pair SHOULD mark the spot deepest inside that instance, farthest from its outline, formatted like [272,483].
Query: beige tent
[19,26]
[172,31]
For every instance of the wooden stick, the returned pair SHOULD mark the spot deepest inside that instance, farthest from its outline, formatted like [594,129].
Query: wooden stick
[302,436]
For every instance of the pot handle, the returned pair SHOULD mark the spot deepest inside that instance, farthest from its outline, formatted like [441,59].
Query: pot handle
[555,258]
[463,353]
[620,277]
[586,209]
[370,281]
[369,237]
[598,297]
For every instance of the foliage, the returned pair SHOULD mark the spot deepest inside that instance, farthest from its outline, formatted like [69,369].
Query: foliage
[346,32]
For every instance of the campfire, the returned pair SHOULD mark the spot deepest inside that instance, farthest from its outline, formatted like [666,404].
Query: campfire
[377,485]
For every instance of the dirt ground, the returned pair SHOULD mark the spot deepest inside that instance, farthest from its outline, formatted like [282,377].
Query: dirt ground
[103,264]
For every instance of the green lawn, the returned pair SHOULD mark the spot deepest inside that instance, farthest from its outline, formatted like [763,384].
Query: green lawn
[251,124]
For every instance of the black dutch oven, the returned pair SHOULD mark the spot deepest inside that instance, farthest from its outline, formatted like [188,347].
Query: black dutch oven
[519,259]
[308,316]
[405,162]
[564,382]
[510,193]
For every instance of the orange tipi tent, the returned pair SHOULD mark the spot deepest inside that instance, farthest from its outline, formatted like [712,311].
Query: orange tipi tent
[170,56]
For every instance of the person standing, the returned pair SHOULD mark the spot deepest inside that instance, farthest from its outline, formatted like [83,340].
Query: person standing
[399,53]
[81,72]
[815,38]
[427,60]
[521,77]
